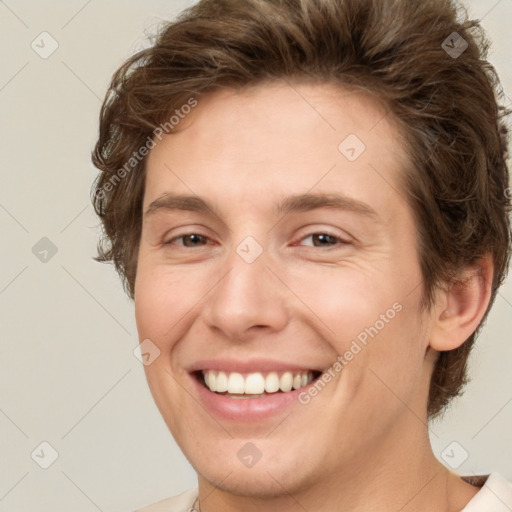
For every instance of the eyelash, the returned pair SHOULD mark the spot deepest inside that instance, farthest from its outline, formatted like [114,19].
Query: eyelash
[172,240]
[339,240]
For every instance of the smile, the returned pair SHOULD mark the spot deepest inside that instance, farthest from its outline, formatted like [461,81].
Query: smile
[256,384]
[250,390]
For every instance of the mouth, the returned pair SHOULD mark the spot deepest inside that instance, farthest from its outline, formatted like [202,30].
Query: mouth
[253,385]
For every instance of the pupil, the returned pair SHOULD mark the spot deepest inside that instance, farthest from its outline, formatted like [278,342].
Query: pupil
[193,239]
[324,239]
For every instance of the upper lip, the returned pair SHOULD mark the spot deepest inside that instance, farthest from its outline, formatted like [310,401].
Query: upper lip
[251,366]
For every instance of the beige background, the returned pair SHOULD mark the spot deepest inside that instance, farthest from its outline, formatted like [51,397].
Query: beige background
[67,371]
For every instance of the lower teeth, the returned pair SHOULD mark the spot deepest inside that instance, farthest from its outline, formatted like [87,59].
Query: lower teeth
[242,397]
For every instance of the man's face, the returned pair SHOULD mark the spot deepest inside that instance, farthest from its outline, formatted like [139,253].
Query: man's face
[257,290]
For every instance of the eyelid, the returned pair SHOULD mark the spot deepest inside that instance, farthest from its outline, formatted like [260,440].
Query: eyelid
[343,238]
[185,230]
[183,235]
[329,247]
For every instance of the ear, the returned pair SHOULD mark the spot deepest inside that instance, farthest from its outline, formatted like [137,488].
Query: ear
[461,306]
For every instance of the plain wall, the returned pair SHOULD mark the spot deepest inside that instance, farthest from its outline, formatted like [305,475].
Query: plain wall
[67,370]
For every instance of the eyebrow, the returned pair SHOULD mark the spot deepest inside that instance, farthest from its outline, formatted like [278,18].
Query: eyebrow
[309,201]
[292,204]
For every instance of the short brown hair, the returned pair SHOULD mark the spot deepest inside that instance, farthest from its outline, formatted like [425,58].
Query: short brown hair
[447,106]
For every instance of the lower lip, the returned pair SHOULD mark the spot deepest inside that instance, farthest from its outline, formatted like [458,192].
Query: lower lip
[247,409]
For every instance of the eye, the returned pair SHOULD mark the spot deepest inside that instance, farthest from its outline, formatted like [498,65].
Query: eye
[322,240]
[189,240]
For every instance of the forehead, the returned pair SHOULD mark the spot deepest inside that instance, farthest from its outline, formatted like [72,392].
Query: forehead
[264,142]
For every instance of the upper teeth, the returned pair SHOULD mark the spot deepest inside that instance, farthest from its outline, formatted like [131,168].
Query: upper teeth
[255,383]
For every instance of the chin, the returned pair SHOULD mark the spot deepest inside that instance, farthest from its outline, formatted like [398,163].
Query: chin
[277,470]
[259,483]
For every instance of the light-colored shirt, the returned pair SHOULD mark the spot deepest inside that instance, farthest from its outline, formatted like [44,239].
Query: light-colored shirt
[494,496]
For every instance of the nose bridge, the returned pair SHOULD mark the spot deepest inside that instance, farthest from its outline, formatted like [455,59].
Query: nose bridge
[248,295]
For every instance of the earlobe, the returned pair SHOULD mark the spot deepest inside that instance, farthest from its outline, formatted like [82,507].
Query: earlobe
[461,307]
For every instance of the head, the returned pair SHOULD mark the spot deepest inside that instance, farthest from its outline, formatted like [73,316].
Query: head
[263,113]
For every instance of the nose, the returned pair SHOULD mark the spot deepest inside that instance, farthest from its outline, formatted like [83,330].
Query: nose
[249,299]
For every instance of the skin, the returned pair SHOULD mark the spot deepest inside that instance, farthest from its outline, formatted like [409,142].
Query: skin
[362,443]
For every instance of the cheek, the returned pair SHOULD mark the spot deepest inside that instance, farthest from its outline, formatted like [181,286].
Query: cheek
[163,302]
[373,322]
[349,301]
[390,378]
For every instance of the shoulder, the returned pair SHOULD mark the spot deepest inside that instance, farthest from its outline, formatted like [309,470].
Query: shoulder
[180,503]
[494,496]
